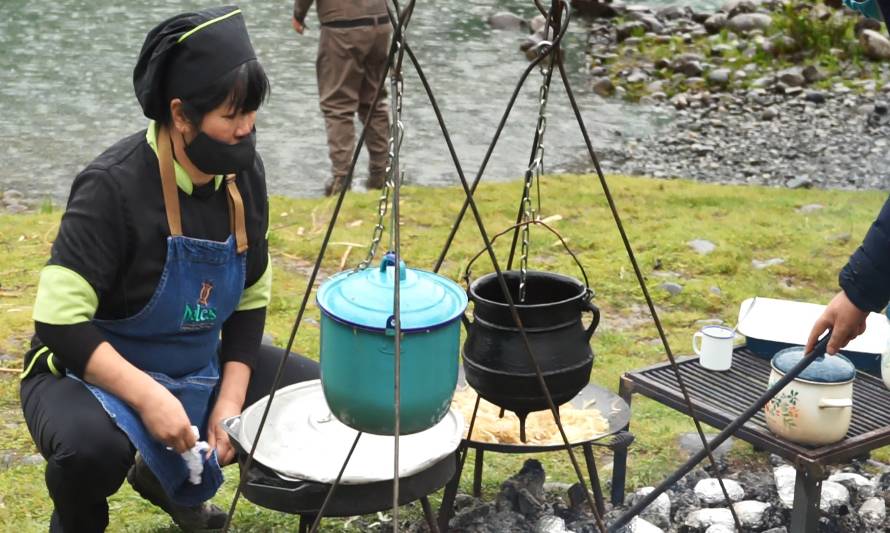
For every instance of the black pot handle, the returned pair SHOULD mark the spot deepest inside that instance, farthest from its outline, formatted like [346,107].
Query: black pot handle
[587,305]
[525,223]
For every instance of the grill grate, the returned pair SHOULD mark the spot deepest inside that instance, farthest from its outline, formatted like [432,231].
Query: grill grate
[720,397]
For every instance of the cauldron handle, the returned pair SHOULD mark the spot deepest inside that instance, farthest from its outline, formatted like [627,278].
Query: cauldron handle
[587,305]
[565,245]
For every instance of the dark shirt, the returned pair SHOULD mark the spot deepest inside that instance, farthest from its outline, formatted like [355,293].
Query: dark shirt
[114,235]
[866,277]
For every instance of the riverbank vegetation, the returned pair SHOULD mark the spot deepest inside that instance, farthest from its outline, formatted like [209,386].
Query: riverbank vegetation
[770,242]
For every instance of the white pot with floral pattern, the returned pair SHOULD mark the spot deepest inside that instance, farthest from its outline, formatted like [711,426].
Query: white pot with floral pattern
[816,407]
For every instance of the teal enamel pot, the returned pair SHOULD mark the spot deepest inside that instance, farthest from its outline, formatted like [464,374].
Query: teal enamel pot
[358,347]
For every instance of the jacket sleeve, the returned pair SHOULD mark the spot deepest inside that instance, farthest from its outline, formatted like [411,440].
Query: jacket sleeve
[301,8]
[866,276]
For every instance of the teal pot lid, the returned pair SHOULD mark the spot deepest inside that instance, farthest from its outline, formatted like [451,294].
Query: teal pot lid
[364,297]
[823,369]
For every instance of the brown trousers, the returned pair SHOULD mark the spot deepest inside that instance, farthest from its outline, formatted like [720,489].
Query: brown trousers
[350,65]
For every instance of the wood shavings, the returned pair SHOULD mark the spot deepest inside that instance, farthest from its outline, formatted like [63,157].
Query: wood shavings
[579,424]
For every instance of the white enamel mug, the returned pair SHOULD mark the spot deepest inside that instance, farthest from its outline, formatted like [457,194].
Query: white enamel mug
[713,345]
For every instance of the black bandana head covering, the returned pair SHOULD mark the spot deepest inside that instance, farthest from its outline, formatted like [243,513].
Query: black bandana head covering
[186,53]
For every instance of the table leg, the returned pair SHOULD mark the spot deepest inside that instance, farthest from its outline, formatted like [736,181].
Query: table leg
[619,454]
[428,514]
[477,474]
[594,479]
[807,495]
[446,509]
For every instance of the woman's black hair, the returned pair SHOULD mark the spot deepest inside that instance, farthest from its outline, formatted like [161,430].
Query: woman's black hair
[244,88]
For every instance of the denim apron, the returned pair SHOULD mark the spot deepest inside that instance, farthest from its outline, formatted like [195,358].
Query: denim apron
[175,337]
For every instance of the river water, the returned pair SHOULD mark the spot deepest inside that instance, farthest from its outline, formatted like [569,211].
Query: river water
[66,93]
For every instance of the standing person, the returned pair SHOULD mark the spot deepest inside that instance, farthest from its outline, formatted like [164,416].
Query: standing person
[352,60]
[150,311]
[865,279]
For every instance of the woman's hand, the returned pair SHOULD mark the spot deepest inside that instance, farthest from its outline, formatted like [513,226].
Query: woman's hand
[166,420]
[845,320]
[216,435]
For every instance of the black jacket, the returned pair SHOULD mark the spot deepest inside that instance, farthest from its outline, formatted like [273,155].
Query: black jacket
[866,277]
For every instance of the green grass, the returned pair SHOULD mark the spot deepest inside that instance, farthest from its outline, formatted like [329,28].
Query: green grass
[660,217]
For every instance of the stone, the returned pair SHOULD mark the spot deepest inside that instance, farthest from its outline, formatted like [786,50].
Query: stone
[705,518]
[834,495]
[16,208]
[702,246]
[604,87]
[719,77]
[750,512]
[637,76]
[11,195]
[858,484]
[673,288]
[595,8]
[810,208]
[679,101]
[812,74]
[551,524]
[873,512]
[784,476]
[748,22]
[760,265]
[781,529]
[769,113]
[817,97]
[690,69]
[715,23]
[507,21]
[720,528]
[658,512]
[537,23]
[791,77]
[876,46]
[799,183]
[708,490]
[628,29]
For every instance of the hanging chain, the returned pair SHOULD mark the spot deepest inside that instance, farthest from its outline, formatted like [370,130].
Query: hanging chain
[396,134]
[533,176]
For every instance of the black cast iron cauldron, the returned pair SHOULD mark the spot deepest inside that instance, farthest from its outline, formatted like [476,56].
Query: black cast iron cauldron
[496,362]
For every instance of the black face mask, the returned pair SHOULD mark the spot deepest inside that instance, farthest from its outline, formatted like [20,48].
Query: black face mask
[215,157]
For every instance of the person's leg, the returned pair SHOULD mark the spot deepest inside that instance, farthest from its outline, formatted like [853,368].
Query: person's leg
[339,77]
[87,456]
[377,136]
[297,368]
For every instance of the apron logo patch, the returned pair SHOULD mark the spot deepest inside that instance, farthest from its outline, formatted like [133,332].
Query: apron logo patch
[201,316]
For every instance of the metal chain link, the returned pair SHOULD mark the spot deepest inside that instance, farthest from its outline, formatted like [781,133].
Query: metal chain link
[396,134]
[533,176]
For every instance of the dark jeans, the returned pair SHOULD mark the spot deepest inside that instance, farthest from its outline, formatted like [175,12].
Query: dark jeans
[87,456]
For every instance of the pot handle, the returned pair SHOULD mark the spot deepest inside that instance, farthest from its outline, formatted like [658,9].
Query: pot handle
[466,276]
[232,427]
[389,260]
[588,306]
[835,403]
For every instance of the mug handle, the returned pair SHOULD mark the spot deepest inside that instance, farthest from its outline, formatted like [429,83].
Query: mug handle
[697,348]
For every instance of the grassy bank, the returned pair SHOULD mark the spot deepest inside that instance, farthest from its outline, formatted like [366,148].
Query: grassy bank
[745,223]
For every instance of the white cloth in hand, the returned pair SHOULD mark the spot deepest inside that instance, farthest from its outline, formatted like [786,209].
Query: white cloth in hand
[194,458]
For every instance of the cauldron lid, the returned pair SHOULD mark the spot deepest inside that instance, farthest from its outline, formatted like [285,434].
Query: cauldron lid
[365,297]
[823,369]
[303,440]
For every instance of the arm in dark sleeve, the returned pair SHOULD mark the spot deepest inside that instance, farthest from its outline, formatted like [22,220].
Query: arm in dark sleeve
[866,277]
[301,7]
[72,344]
[241,336]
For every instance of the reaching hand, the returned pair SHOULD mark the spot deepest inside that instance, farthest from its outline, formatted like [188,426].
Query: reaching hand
[166,420]
[216,435]
[844,319]
[298,26]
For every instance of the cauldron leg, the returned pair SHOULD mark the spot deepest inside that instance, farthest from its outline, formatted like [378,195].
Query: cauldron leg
[522,425]
[501,415]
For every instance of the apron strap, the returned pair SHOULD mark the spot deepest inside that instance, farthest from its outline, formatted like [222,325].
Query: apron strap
[236,214]
[168,181]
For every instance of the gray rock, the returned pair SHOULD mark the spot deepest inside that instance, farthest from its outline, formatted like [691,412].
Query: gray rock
[628,29]
[551,524]
[12,195]
[702,246]
[750,512]
[537,23]
[817,97]
[748,22]
[504,20]
[719,76]
[769,113]
[781,529]
[679,101]
[736,7]
[705,518]
[16,208]
[760,265]
[810,208]
[799,183]
[673,288]
[658,512]
[604,87]
[833,495]
[784,476]
[716,22]
[812,74]
[637,76]
[721,528]
[641,525]
[876,45]
[709,492]
[792,77]
[873,512]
